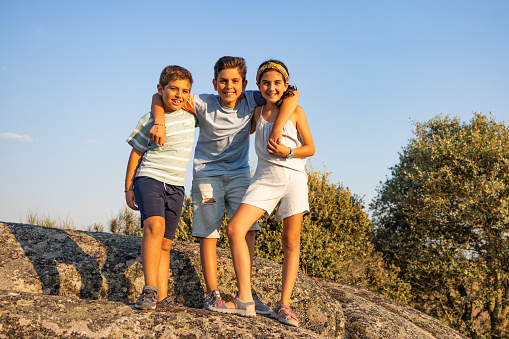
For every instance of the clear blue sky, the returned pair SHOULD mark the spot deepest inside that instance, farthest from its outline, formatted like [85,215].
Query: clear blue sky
[75,77]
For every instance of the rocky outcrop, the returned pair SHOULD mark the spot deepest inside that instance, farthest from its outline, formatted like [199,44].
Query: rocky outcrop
[57,283]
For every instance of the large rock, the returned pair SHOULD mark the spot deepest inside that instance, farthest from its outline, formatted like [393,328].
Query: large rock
[60,283]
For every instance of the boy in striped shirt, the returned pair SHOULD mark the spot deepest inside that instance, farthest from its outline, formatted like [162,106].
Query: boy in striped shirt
[154,182]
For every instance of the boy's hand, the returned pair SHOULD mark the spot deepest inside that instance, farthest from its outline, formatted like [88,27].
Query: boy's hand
[275,135]
[158,134]
[279,150]
[131,200]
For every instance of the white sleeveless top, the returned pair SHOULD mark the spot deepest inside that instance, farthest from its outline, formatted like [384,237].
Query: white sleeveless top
[290,138]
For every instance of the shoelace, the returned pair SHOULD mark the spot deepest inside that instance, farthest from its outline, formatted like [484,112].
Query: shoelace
[148,295]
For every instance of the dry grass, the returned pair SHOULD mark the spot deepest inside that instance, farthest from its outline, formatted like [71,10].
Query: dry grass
[34,218]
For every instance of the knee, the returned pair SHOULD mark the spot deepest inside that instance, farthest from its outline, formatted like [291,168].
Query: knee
[291,243]
[154,226]
[233,232]
[166,245]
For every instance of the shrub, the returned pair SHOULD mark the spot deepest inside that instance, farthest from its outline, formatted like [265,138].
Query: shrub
[335,240]
[33,218]
[126,222]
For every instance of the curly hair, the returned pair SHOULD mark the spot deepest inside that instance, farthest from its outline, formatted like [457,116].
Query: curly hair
[280,67]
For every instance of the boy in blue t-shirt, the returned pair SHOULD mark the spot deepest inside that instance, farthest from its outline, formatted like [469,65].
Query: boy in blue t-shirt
[221,167]
[155,182]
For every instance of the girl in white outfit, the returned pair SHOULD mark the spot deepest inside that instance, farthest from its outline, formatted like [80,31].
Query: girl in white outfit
[280,178]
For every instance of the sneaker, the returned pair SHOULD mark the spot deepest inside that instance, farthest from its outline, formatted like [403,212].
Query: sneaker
[147,299]
[213,302]
[260,307]
[168,302]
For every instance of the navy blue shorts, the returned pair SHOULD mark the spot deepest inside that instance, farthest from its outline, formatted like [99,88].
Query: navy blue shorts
[155,198]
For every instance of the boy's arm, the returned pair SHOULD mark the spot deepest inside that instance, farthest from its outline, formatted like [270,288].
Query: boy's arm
[285,112]
[132,166]
[308,146]
[158,131]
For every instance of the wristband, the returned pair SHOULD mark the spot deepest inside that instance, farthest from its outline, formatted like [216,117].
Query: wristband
[131,189]
[289,156]
[160,124]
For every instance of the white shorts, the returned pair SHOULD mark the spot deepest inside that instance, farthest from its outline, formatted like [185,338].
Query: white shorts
[273,185]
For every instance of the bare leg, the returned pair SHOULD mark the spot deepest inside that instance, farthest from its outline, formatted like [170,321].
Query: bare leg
[164,270]
[291,248]
[208,258]
[242,255]
[153,233]
[251,240]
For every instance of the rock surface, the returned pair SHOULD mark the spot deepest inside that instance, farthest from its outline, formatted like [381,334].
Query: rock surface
[57,283]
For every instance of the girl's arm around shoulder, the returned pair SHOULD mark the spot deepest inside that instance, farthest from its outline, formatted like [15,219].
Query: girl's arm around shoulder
[255,117]
[158,131]
[308,146]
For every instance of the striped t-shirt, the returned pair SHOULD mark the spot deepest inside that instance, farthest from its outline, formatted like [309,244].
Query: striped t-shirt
[166,163]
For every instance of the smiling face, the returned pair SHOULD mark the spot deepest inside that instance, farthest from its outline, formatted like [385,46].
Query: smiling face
[229,86]
[174,94]
[272,86]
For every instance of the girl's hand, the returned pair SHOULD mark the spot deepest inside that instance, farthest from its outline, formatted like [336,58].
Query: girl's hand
[158,134]
[279,150]
[131,200]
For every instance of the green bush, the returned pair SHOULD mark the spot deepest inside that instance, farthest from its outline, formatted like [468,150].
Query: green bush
[335,240]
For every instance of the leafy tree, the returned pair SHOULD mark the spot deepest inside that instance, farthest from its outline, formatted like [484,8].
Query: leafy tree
[443,218]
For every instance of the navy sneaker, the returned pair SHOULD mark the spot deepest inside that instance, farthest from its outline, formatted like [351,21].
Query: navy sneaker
[260,307]
[147,299]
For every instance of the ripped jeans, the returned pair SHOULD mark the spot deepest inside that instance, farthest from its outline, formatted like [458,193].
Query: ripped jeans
[211,195]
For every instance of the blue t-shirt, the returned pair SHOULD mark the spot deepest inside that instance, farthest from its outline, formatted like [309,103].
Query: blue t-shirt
[223,141]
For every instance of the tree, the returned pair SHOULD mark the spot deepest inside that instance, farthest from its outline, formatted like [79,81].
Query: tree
[443,218]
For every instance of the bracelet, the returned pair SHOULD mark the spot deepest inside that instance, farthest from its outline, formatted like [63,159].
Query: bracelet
[160,124]
[131,189]
[289,156]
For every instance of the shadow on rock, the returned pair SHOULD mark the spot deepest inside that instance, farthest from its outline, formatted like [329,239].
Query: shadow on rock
[54,255]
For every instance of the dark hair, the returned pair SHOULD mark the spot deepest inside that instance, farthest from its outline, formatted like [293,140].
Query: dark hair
[174,72]
[229,62]
[289,90]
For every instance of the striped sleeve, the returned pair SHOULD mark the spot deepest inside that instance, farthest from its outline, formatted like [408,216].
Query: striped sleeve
[140,137]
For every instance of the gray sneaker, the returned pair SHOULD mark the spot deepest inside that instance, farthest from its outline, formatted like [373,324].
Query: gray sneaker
[168,302]
[260,307]
[213,302]
[148,298]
